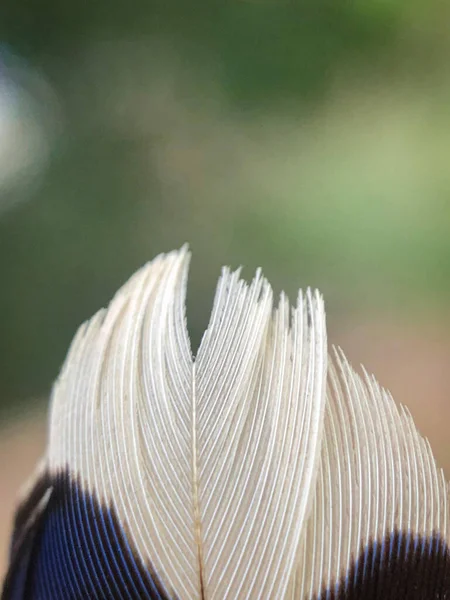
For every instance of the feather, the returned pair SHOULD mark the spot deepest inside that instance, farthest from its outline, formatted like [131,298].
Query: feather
[260,468]
[205,467]
[379,526]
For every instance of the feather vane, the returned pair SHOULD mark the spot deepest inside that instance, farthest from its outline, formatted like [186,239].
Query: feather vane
[260,468]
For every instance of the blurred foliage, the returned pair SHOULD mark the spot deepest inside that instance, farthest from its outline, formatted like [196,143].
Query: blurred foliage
[262,48]
[307,136]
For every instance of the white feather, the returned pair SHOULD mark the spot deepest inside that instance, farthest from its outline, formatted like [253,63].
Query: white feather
[211,462]
[377,475]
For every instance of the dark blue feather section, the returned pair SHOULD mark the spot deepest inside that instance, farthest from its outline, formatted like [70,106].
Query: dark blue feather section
[74,548]
[400,567]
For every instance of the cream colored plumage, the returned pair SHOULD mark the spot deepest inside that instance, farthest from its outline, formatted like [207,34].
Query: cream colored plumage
[259,468]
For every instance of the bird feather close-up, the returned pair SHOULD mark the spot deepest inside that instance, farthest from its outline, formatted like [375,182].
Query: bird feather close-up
[262,467]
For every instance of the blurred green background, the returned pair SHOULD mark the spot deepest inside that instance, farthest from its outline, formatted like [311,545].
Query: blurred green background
[309,137]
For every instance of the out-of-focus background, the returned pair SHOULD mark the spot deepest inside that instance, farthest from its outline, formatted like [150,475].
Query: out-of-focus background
[309,137]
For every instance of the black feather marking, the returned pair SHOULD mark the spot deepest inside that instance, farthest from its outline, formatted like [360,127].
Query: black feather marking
[402,566]
[74,548]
